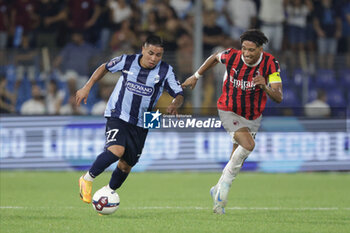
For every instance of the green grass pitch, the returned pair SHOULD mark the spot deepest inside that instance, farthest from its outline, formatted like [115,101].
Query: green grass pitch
[177,202]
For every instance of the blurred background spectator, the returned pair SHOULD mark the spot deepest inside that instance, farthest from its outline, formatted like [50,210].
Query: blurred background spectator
[24,20]
[76,55]
[296,18]
[7,99]
[52,15]
[35,105]
[328,26]
[241,15]
[181,7]
[54,98]
[123,39]
[104,91]
[4,23]
[319,106]
[70,108]
[346,30]
[26,60]
[272,17]
[120,11]
[212,33]
[54,45]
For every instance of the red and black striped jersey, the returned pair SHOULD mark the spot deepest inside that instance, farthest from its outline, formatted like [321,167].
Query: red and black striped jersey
[239,94]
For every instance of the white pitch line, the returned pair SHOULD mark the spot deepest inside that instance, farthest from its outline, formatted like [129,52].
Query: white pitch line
[193,208]
[239,208]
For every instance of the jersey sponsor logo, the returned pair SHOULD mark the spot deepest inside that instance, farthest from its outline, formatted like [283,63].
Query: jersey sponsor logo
[244,85]
[139,89]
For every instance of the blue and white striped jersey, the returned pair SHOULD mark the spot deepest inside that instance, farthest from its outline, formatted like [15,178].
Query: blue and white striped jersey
[138,89]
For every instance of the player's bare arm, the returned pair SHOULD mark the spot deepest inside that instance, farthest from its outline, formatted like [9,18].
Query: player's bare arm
[274,91]
[175,104]
[209,63]
[83,93]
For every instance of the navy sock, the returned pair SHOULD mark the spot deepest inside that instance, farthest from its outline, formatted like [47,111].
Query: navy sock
[117,179]
[103,161]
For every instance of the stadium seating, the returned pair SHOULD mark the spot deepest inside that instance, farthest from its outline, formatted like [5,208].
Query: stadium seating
[337,101]
[325,78]
[336,98]
[298,77]
[291,104]
[290,98]
[312,93]
[287,81]
[344,77]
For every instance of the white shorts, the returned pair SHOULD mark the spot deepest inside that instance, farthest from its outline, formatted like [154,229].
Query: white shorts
[233,122]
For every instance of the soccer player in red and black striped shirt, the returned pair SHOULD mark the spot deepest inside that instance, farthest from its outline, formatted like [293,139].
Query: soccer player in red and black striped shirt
[251,76]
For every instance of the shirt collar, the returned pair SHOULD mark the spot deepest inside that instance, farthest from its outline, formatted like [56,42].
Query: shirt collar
[256,63]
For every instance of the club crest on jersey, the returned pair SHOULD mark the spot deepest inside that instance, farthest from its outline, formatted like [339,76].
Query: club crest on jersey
[156,79]
[139,88]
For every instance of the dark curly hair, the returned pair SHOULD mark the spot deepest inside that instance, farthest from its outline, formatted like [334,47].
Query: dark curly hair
[254,35]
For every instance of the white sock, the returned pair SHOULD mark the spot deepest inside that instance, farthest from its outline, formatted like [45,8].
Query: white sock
[230,172]
[234,165]
[109,188]
[224,172]
[88,177]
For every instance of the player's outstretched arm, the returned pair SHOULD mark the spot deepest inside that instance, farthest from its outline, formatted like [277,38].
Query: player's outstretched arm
[209,63]
[83,92]
[175,104]
[190,82]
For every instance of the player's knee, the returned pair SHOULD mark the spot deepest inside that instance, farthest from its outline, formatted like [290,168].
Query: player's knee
[249,145]
[123,166]
[117,150]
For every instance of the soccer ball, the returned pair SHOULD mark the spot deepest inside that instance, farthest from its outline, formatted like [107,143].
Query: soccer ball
[105,201]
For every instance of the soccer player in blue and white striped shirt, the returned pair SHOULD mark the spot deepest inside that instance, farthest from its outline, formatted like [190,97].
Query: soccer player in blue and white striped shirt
[144,77]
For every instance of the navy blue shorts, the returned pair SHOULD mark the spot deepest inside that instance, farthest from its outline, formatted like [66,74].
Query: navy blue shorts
[132,137]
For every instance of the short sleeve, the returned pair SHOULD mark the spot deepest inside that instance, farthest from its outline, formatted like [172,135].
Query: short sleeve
[223,56]
[274,66]
[274,72]
[116,64]
[172,85]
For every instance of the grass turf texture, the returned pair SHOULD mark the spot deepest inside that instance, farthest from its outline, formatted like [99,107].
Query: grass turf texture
[177,202]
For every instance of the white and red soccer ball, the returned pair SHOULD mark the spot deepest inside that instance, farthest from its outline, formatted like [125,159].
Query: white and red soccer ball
[105,201]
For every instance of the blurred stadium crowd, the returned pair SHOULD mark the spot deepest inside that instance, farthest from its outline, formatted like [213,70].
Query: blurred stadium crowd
[49,48]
